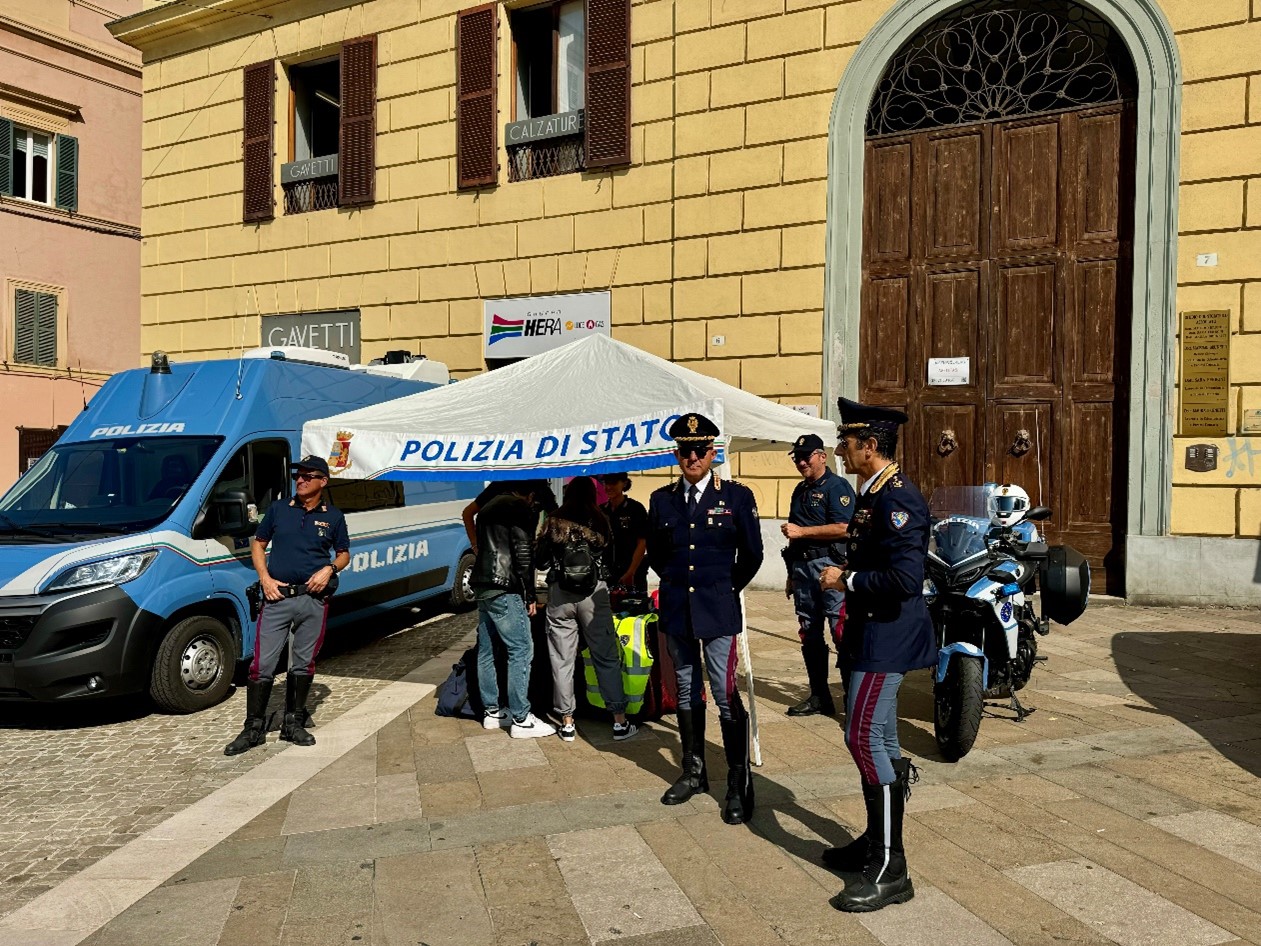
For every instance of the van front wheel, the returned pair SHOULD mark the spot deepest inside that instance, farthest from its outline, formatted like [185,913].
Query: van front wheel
[462,589]
[193,667]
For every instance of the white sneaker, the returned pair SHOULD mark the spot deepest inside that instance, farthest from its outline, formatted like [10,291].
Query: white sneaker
[622,733]
[496,719]
[531,728]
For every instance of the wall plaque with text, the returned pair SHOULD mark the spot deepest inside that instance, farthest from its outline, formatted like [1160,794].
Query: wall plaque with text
[1204,385]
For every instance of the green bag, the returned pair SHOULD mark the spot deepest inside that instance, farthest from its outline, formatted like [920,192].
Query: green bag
[632,634]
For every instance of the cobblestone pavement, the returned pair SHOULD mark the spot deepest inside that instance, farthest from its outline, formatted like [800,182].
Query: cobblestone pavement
[1126,811]
[81,782]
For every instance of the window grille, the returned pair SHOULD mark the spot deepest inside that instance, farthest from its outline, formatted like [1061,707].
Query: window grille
[546,158]
[993,60]
[318,193]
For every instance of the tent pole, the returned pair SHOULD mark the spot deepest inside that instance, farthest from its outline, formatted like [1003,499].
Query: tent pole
[755,743]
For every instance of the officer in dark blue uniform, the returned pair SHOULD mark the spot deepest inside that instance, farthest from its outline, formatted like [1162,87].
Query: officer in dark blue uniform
[705,543]
[887,634]
[298,581]
[818,519]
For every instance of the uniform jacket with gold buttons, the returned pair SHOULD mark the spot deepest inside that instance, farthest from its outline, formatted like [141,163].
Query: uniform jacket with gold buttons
[705,559]
[887,625]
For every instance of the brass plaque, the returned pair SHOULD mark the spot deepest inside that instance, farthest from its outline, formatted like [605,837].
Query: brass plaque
[1205,382]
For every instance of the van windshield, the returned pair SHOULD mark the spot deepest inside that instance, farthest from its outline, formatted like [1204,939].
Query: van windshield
[104,486]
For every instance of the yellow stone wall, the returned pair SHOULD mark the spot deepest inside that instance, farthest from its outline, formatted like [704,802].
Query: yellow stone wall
[716,229]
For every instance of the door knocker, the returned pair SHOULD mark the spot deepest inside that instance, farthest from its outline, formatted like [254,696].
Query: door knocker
[1022,444]
[948,443]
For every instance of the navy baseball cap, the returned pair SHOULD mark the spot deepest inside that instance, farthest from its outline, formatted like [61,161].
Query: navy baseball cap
[806,444]
[313,463]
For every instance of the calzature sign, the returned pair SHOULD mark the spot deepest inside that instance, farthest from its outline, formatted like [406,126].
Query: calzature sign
[540,129]
[518,328]
[330,331]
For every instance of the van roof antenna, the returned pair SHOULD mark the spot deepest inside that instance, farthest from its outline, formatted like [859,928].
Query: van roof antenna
[240,358]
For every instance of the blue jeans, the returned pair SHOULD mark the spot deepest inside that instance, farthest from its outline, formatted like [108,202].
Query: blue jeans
[505,616]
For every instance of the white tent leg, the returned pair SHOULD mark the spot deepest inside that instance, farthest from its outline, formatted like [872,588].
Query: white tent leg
[755,744]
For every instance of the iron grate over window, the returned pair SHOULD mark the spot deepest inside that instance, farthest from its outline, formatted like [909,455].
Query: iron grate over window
[546,158]
[999,59]
[315,194]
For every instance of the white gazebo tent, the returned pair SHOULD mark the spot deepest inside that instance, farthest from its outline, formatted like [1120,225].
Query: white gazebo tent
[593,406]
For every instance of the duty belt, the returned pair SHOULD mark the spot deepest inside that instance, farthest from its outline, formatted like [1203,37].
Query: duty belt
[293,591]
[808,554]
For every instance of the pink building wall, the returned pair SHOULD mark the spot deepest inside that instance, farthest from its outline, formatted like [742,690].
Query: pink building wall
[58,63]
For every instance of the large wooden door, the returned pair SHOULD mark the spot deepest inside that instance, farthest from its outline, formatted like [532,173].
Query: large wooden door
[1008,243]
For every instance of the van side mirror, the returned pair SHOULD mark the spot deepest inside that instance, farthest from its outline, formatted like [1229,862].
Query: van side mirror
[1038,513]
[227,514]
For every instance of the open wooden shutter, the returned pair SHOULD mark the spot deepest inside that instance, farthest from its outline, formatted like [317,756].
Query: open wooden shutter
[357,164]
[477,141]
[67,173]
[6,157]
[608,120]
[260,151]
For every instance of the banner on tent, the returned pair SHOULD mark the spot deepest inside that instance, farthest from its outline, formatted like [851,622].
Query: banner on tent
[632,443]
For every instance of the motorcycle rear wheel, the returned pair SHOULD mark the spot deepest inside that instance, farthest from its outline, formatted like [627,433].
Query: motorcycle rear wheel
[958,702]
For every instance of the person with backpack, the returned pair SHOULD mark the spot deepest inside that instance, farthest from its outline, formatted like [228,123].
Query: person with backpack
[574,547]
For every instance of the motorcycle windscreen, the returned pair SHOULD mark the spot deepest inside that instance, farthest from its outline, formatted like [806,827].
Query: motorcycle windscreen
[1065,584]
[959,537]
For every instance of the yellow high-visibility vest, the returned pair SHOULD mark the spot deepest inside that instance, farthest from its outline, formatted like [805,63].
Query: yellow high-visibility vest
[632,635]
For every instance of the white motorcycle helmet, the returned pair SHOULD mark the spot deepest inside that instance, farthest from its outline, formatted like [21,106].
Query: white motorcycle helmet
[1007,505]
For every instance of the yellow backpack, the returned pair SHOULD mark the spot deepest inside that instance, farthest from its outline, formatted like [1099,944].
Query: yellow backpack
[632,634]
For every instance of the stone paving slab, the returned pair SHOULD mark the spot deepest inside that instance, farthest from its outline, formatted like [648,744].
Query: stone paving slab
[1125,811]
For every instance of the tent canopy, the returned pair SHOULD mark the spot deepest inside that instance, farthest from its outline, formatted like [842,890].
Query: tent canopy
[595,405]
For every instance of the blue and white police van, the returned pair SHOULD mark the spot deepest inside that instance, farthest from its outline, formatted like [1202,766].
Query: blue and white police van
[125,550]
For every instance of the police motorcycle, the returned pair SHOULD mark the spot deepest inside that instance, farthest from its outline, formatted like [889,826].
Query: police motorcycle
[985,561]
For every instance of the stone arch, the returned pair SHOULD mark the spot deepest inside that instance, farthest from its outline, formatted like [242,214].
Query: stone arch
[1152,47]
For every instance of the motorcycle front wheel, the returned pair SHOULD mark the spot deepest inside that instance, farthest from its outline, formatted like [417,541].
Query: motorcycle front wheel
[958,702]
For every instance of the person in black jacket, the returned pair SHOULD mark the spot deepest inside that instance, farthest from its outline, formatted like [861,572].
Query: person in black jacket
[503,584]
[887,634]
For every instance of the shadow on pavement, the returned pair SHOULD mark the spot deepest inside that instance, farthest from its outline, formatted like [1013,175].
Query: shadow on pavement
[399,640]
[1208,681]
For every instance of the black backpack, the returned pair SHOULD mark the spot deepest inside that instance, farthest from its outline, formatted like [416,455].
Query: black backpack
[579,569]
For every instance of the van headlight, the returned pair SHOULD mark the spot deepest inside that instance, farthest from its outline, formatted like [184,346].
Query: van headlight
[109,571]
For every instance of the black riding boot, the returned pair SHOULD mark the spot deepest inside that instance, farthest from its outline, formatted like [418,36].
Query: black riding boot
[694,779]
[852,858]
[884,879]
[254,733]
[820,700]
[297,689]
[738,806]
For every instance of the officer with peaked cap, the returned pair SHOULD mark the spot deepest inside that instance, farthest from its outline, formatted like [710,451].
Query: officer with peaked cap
[705,544]
[888,633]
[818,519]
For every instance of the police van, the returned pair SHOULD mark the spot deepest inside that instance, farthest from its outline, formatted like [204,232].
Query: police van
[125,550]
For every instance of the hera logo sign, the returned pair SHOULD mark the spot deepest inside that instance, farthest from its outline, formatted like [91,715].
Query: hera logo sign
[518,328]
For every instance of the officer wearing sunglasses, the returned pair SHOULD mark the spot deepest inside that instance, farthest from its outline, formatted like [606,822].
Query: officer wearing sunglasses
[298,581]
[705,543]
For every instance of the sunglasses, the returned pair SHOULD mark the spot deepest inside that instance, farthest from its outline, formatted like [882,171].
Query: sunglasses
[689,451]
[307,476]
[805,457]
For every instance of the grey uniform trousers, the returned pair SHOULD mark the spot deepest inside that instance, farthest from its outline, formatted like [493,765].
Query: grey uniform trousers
[566,615]
[307,617]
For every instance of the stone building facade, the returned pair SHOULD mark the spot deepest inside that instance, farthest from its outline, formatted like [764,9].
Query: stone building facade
[69,215]
[815,198]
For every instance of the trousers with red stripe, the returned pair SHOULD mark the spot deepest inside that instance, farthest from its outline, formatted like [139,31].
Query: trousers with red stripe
[871,724]
[306,617]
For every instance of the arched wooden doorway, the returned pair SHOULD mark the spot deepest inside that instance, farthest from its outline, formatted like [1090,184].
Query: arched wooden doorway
[997,228]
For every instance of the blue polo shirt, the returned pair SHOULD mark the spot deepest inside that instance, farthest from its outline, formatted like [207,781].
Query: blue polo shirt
[829,500]
[301,539]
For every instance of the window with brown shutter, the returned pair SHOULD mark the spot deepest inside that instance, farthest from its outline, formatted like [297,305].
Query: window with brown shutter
[260,100]
[477,163]
[608,121]
[357,149]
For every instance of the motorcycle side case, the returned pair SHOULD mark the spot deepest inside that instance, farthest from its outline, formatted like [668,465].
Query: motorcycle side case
[1065,583]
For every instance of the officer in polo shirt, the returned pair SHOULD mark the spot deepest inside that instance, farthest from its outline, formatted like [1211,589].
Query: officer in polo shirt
[297,581]
[818,518]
